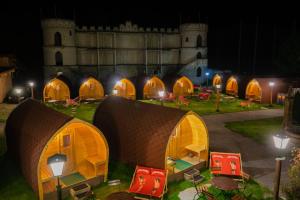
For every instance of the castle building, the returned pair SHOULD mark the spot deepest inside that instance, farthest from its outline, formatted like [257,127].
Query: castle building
[126,50]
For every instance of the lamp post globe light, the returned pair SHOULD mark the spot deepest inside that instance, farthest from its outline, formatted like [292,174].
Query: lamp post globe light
[207,75]
[161,95]
[271,84]
[18,92]
[115,92]
[218,87]
[56,163]
[31,85]
[280,142]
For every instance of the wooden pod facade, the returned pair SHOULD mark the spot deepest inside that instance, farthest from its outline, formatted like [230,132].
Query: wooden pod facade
[56,90]
[150,135]
[35,132]
[124,88]
[217,80]
[183,87]
[152,87]
[232,87]
[91,89]
[253,91]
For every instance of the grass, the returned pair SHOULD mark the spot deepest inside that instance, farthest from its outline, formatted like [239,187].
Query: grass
[84,111]
[5,109]
[259,130]
[205,107]
[12,185]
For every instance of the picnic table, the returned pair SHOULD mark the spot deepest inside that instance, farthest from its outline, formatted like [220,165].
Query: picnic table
[224,183]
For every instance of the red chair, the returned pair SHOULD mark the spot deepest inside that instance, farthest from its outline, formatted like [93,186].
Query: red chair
[183,100]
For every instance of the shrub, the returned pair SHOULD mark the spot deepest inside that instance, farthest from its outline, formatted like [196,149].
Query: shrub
[292,188]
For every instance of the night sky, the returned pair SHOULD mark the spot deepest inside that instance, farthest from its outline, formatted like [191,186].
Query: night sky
[21,33]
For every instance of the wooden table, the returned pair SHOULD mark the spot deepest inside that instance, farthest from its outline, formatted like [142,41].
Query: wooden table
[224,183]
[195,149]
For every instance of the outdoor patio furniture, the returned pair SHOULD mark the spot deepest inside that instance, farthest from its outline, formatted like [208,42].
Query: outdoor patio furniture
[82,188]
[183,100]
[197,149]
[115,182]
[198,178]
[149,182]
[208,195]
[189,175]
[224,183]
[82,191]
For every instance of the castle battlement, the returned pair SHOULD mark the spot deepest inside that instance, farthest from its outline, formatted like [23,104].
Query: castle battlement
[127,27]
[127,46]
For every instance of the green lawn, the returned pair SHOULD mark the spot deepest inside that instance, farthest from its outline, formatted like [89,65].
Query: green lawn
[259,130]
[205,107]
[13,185]
[84,111]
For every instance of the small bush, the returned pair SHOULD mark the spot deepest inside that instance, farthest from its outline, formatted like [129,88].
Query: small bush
[292,188]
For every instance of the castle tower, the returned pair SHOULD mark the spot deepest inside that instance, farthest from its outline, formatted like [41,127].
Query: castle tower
[58,44]
[193,55]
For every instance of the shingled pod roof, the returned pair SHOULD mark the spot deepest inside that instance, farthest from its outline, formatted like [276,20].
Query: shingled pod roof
[139,133]
[28,129]
[35,132]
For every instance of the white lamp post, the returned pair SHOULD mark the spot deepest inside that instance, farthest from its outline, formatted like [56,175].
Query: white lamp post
[280,142]
[31,85]
[271,84]
[218,87]
[56,163]
[207,74]
[161,95]
[18,92]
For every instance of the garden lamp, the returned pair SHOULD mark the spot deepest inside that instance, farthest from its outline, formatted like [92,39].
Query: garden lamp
[218,87]
[280,143]
[56,163]
[31,84]
[18,92]
[161,95]
[271,84]
[206,74]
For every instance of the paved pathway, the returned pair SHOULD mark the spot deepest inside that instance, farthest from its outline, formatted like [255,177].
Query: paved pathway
[258,159]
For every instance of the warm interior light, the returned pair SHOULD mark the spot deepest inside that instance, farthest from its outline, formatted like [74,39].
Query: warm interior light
[271,84]
[18,90]
[280,141]
[218,86]
[115,92]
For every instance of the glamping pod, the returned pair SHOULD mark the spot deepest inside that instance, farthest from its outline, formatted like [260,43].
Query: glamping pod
[253,91]
[56,90]
[217,80]
[258,88]
[152,87]
[232,86]
[35,132]
[124,88]
[91,89]
[183,87]
[153,136]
